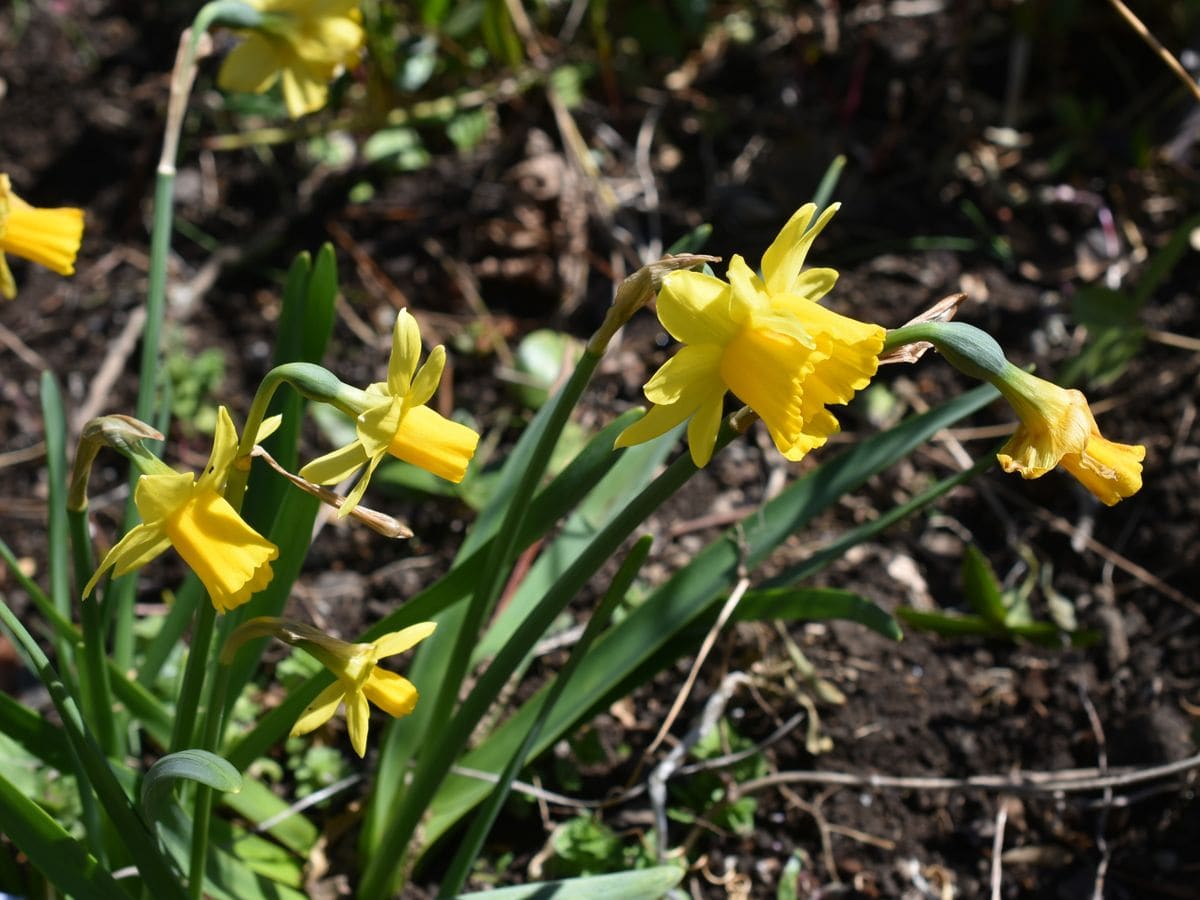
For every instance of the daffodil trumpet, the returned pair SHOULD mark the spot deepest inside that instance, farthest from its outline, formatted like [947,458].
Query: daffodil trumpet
[1056,427]
[360,681]
[48,237]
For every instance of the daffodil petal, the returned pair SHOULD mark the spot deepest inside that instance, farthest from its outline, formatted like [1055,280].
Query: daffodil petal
[693,363]
[404,639]
[139,545]
[748,294]
[159,496]
[224,449]
[321,710]
[425,382]
[392,693]
[406,353]
[8,285]
[377,426]
[703,429]
[358,721]
[303,91]
[1111,471]
[268,428]
[694,307]
[784,259]
[813,284]
[657,421]
[337,465]
[251,67]
[356,493]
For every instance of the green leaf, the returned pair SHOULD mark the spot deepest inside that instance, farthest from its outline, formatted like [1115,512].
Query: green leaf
[192,765]
[51,850]
[950,625]
[816,604]
[620,654]
[981,588]
[551,504]
[640,884]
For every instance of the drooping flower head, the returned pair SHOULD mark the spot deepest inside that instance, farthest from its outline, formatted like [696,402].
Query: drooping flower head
[302,43]
[396,420]
[231,559]
[1057,429]
[765,339]
[49,237]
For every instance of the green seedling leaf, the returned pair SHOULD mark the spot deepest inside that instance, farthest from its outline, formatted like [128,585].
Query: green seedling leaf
[981,588]
[640,884]
[692,242]
[541,358]
[816,604]
[193,765]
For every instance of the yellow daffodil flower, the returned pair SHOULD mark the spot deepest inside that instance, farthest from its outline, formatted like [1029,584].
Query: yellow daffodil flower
[394,419]
[49,237]
[359,680]
[1057,429]
[302,43]
[231,558]
[765,339]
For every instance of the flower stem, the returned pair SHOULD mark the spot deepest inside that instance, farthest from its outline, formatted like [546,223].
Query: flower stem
[312,382]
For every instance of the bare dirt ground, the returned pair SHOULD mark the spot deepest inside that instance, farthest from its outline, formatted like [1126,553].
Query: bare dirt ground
[1015,155]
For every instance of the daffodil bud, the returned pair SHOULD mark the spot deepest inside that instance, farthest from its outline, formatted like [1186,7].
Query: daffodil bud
[124,434]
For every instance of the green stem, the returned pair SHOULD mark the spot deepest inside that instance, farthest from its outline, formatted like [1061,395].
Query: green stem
[503,550]
[97,699]
[311,381]
[202,815]
[445,744]
[186,710]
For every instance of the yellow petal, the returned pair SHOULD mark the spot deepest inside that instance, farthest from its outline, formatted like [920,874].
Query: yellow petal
[694,308]
[336,466]
[392,693]
[425,382]
[139,545]
[702,431]
[406,353]
[252,66]
[225,443]
[356,493]
[231,559]
[8,285]
[693,363]
[784,259]
[377,426]
[399,641]
[813,284]
[303,91]
[321,710]
[435,443]
[657,421]
[358,720]
[158,496]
